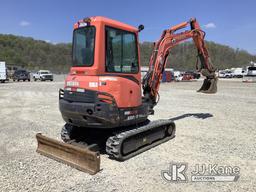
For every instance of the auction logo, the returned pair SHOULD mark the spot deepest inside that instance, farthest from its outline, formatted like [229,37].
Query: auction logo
[177,172]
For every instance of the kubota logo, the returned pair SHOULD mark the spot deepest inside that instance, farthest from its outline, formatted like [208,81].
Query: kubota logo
[72,83]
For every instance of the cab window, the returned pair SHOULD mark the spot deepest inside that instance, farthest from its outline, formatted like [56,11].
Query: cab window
[83,46]
[121,51]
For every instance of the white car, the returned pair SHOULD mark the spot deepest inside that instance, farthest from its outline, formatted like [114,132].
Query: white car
[221,74]
[225,73]
[43,75]
[178,76]
[238,72]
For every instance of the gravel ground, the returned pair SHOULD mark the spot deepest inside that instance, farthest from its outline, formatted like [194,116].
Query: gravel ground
[211,129]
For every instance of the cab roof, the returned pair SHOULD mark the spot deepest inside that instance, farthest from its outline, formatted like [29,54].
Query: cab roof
[107,21]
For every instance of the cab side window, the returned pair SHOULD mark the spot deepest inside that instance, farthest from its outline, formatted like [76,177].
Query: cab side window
[121,51]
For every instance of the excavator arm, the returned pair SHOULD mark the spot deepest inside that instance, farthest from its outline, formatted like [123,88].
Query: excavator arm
[169,39]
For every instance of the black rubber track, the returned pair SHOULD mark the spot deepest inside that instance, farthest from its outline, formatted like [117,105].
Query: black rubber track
[115,144]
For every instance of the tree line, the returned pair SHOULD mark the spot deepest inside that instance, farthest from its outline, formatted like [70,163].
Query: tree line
[37,54]
[184,56]
[33,54]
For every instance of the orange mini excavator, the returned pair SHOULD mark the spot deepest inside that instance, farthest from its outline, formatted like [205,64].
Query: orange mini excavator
[103,92]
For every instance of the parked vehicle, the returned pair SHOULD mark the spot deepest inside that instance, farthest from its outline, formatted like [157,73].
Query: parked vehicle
[3,72]
[187,77]
[238,72]
[177,76]
[21,74]
[232,73]
[251,71]
[193,74]
[221,74]
[228,74]
[43,75]
[11,70]
[251,74]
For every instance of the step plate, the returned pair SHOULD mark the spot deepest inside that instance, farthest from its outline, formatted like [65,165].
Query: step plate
[80,158]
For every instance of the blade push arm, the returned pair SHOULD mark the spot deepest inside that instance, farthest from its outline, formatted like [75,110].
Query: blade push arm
[162,47]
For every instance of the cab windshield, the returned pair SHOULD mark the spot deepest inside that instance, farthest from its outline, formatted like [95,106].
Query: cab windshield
[83,46]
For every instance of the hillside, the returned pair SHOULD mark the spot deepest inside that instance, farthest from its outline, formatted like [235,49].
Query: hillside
[36,54]
[183,57]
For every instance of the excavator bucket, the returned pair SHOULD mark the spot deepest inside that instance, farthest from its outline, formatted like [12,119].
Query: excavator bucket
[210,83]
[80,158]
[209,86]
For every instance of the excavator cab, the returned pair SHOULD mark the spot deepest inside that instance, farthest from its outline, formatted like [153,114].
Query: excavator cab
[103,88]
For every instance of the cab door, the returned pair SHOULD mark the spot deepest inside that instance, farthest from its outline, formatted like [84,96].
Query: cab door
[122,73]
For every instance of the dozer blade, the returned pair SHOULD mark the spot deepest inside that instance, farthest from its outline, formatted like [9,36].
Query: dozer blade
[209,86]
[78,157]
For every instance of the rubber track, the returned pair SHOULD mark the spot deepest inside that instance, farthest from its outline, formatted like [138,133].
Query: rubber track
[114,143]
